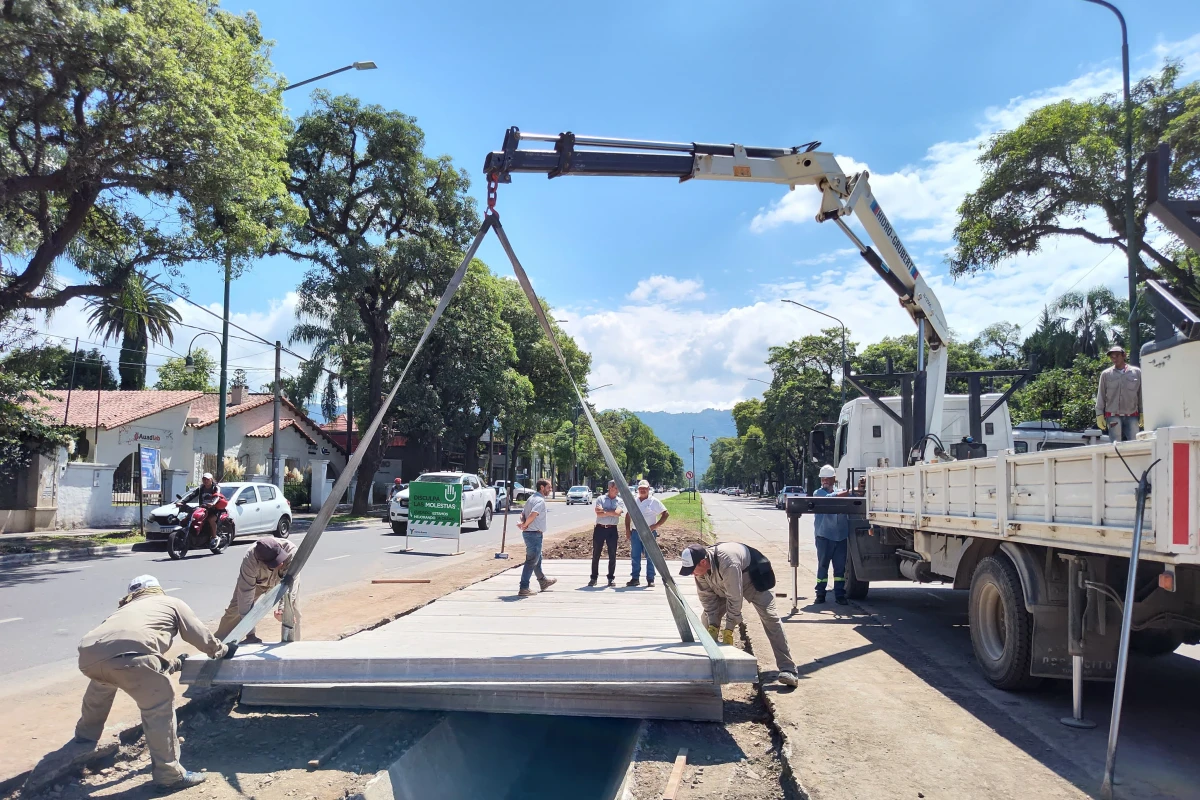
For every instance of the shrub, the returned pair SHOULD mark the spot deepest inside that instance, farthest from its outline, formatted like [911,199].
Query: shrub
[233,470]
[296,494]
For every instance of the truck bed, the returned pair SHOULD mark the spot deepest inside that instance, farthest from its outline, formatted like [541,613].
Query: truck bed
[1080,498]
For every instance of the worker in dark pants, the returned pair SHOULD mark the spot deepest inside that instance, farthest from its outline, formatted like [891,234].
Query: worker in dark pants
[609,508]
[832,533]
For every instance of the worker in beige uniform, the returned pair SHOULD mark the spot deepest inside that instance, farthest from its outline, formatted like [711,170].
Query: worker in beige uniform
[723,574]
[127,652]
[263,567]
[1119,398]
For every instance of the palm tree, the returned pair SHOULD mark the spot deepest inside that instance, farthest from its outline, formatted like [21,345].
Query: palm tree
[1092,324]
[138,315]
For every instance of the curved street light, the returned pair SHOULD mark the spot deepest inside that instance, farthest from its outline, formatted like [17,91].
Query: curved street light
[839,322]
[189,363]
[358,65]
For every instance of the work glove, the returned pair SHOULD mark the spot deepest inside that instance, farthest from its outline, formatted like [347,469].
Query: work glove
[176,664]
[712,631]
[727,636]
[1142,421]
[1101,423]
[230,649]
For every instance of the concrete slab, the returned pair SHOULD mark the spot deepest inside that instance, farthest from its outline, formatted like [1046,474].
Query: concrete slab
[485,633]
[691,701]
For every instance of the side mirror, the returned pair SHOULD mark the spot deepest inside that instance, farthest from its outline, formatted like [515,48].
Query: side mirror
[816,446]
[241,501]
[178,497]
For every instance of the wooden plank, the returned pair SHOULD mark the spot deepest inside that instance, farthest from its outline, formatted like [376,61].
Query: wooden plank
[672,790]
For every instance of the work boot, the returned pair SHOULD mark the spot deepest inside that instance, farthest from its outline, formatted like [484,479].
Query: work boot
[650,583]
[189,779]
[634,582]
[526,592]
[788,679]
[547,583]
[841,600]
[820,598]
[592,582]
[252,638]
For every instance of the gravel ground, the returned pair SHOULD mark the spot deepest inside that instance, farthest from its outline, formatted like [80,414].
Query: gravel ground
[672,540]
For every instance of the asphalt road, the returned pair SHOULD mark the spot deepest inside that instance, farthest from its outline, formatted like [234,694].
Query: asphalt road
[45,609]
[1159,726]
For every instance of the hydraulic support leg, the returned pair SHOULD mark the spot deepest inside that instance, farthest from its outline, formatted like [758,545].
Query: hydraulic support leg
[1076,595]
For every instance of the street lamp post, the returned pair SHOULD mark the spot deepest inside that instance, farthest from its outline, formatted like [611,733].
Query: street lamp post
[189,365]
[1132,242]
[575,429]
[695,477]
[839,322]
[224,387]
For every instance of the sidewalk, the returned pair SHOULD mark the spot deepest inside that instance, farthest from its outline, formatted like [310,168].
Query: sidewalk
[874,718]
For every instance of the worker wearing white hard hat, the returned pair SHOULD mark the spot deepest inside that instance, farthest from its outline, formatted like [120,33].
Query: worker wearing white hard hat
[832,532]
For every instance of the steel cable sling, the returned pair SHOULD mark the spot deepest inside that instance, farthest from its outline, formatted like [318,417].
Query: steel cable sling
[686,619]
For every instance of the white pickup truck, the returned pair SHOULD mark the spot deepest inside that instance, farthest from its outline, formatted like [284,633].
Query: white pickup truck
[1026,531]
[478,499]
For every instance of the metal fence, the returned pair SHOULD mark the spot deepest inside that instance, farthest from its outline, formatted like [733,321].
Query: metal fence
[127,484]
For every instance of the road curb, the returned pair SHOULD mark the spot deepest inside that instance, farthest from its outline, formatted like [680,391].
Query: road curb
[47,556]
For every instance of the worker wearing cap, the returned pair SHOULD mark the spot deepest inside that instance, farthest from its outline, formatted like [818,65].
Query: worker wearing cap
[128,652]
[723,582]
[655,514]
[609,508]
[263,567]
[832,532]
[1119,398]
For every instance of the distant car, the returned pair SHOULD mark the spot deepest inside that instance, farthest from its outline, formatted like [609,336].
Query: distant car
[686,490]
[255,508]
[786,492]
[520,493]
[478,500]
[579,494]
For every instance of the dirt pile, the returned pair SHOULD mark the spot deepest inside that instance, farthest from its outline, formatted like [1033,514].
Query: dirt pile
[671,539]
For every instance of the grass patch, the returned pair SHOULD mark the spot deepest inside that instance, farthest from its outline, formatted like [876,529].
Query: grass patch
[687,511]
[43,544]
[353,517]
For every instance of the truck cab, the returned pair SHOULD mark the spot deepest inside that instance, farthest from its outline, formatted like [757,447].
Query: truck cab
[866,438]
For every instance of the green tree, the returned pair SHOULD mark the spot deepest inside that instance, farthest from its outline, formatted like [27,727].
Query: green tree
[49,367]
[175,375]
[138,316]
[1070,391]
[25,430]
[1066,160]
[1000,342]
[113,108]
[386,226]
[1090,318]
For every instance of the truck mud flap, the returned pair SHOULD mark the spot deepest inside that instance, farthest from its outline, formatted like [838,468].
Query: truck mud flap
[873,560]
[1050,657]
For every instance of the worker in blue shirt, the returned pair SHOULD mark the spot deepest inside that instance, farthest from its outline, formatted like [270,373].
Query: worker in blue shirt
[832,531]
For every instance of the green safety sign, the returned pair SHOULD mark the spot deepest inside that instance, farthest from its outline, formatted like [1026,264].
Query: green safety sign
[435,509]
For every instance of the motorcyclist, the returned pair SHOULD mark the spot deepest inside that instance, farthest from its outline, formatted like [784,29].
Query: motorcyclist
[206,496]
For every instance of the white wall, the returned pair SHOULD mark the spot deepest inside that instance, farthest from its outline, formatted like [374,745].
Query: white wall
[258,451]
[85,498]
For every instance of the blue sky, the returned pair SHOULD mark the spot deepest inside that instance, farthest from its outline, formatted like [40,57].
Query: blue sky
[674,288]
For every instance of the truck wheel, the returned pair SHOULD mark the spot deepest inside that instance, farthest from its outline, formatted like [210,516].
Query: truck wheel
[400,528]
[485,521]
[1001,628]
[1154,642]
[855,589]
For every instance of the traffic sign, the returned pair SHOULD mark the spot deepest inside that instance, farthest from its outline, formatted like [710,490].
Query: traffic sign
[689,474]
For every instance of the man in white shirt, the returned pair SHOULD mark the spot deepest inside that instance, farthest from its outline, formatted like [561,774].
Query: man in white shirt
[656,514]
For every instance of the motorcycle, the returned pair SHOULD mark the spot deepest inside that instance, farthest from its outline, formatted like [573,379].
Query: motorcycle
[188,533]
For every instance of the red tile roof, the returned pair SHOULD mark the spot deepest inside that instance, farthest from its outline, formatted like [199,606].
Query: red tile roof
[339,424]
[207,408]
[116,407]
[266,430]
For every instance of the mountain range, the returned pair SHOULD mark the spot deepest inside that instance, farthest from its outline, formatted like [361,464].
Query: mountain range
[676,430]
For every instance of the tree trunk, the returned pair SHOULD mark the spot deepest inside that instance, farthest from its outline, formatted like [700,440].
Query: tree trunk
[374,450]
[471,454]
[132,368]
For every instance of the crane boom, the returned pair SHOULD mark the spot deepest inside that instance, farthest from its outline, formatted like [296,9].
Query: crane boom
[841,196]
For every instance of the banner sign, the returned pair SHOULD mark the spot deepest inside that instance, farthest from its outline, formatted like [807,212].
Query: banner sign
[435,510]
[151,470]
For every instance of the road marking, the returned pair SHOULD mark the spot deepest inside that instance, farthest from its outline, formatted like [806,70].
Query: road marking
[335,558]
[11,619]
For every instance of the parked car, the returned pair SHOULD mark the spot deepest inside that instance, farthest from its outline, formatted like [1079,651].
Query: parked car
[254,508]
[520,493]
[786,492]
[478,500]
[579,494]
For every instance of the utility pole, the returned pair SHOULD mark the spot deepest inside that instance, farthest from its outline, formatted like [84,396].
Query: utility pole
[221,401]
[695,477]
[99,388]
[1132,240]
[71,385]
[275,477]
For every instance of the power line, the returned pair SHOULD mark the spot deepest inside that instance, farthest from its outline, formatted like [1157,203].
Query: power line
[1076,283]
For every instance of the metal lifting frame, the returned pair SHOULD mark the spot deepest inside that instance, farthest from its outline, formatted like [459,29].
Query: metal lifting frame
[841,195]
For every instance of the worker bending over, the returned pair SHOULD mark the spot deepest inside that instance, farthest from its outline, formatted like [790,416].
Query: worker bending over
[726,574]
[263,567]
[128,651]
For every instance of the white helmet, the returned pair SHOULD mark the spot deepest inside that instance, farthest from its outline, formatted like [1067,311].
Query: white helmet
[828,471]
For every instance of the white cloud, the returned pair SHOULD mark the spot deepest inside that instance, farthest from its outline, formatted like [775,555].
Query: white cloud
[667,289]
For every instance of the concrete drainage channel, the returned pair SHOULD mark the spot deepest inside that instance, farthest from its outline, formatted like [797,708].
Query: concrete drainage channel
[507,757]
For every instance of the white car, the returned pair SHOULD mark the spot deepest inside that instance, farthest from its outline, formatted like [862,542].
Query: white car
[255,508]
[579,494]
[786,492]
[520,493]
[478,500]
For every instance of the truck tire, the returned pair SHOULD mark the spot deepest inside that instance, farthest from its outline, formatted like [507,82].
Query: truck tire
[1001,628]
[855,589]
[400,528]
[1154,642]
[485,521]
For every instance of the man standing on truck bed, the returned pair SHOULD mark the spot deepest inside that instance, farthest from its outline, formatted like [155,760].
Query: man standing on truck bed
[832,532]
[1119,398]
